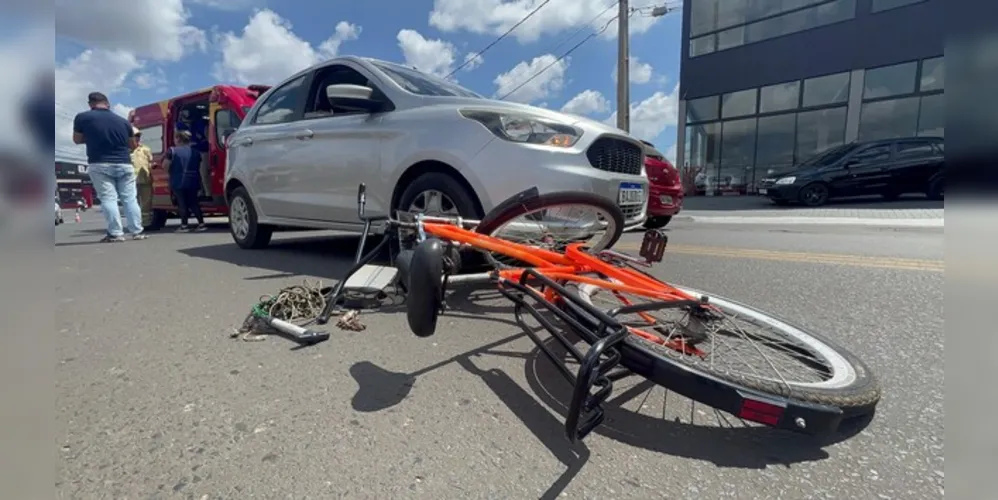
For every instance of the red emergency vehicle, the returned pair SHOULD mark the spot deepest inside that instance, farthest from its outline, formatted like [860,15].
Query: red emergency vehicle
[216,111]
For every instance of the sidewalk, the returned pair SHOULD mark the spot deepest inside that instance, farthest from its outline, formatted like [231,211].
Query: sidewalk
[908,212]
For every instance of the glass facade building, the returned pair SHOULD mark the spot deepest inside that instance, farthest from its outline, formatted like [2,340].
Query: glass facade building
[764,84]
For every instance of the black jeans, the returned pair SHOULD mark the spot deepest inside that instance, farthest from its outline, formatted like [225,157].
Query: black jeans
[187,202]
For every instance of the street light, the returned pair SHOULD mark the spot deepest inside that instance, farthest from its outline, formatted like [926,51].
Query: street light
[624,60]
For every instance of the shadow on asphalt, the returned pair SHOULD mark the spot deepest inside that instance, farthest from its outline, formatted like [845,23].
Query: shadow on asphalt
[735,445]
[326,258]
[754,202]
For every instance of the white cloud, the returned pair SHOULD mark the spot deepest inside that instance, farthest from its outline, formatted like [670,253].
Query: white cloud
[494,17]
[230,5]
[429,56]
[150,79]
[544,85]
[99,70]
[586,102]
[268,51]
[472,60]
[638,72]
[157,29]
[670,154]
[652,115]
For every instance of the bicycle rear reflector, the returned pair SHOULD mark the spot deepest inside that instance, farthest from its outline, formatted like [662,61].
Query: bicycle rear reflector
[761,411]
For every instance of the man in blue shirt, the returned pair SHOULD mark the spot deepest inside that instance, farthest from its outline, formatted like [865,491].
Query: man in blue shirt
[109,138]
[182,162]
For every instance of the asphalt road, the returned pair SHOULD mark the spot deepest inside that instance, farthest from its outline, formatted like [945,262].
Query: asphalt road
[154,400]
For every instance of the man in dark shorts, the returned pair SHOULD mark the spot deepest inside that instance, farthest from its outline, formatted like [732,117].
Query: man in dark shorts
[109,139]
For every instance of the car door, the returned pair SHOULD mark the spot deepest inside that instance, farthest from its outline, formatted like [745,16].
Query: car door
[341,148]
[867,171]
[265,150]
[916,160]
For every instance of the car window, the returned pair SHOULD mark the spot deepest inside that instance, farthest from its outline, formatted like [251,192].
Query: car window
[318,104]
[916,149]
[421,83]
[225,119]
[873,154]
[281,106]
[829,156]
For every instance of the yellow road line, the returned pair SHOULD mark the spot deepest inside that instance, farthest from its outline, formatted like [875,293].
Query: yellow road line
[802,257]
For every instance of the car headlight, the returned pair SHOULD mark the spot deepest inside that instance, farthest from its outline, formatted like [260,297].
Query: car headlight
[526,129]
[786,180]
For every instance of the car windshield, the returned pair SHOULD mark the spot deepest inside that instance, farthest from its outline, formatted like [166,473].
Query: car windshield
[421,83]
[829,156]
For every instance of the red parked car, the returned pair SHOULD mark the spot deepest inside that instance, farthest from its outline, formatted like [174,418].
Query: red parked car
[665,188]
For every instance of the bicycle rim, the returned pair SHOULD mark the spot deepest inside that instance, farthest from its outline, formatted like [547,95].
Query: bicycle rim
[746,347]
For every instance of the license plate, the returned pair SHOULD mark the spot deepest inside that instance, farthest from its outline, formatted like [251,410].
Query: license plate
[762,191]
[631,194]
[665,199]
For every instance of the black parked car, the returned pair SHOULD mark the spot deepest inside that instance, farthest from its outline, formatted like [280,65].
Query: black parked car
[890,168]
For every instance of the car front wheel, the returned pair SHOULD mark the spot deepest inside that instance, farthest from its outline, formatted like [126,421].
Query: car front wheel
[246,231]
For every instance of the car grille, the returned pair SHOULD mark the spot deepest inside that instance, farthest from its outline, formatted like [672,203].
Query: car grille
[765,183]
[615,155]
[631,211]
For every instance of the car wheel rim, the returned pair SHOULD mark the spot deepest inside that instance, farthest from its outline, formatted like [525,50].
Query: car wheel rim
[239,218]
[433,202]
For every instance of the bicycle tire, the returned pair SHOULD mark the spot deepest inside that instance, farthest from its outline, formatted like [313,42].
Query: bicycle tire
[507,212]
[856,398]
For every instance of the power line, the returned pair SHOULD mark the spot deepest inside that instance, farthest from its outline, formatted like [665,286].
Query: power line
[566,54]
[497,40]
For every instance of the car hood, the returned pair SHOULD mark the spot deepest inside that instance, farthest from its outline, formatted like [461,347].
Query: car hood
[512,107]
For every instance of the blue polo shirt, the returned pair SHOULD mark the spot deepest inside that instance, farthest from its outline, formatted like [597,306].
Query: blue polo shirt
[106,135]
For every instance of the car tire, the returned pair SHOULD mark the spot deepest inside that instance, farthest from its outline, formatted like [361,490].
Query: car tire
[159,218]
[253,235]
[935,191]
[463,201]
[657,222]
[815,194]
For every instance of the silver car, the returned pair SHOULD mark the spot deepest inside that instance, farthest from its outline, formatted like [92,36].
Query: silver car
[419,143]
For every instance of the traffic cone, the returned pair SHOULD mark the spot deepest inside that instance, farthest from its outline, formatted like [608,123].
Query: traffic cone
[77,218]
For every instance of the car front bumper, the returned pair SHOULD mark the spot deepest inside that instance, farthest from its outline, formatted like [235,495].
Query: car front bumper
[782,192]
[664,201]
[504,169]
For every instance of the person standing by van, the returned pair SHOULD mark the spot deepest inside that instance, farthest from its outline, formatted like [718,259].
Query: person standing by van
[109,139]
[183,163]
[142,162]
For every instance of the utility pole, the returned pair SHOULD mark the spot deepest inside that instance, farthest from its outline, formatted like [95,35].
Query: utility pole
[623,67]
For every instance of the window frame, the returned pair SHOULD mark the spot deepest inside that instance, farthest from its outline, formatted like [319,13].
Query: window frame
[219,133]
[162,138]
[875,10]
[305,78]
[933,147]
[915,84]
[312,94]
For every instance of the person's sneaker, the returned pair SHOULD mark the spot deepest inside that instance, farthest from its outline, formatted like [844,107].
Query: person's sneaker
[183,229]
[200,228]
[112,239]
[140,236]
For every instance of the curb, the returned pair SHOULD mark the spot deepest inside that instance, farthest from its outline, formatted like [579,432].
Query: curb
[844,221]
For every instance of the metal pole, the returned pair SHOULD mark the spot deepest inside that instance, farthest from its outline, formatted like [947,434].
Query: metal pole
[623,67]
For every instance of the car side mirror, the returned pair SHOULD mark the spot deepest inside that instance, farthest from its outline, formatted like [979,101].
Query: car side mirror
[358,97]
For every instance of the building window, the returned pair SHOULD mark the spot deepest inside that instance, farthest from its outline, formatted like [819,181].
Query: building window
[825,90]
[703,16]
[741,103]
[931,117]
[820,130]
[737,154]
[890,80]
[775,143]
[702,110]
[702,45]
[820,14]
[933,74]
[889,119]
[779,97]
[881,5]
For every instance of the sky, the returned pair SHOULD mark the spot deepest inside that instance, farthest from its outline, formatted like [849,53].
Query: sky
[143,51]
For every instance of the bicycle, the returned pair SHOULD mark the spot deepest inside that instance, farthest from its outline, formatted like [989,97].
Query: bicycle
[561,284]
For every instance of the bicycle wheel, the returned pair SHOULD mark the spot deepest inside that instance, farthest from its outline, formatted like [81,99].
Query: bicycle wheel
[553,220]
[837,377]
